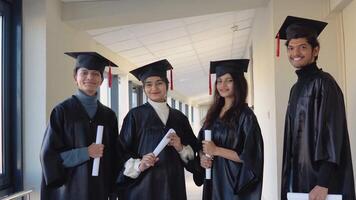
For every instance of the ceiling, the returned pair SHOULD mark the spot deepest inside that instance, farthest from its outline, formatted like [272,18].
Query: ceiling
[189,44]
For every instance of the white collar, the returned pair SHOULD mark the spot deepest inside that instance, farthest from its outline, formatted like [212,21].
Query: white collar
[158,105]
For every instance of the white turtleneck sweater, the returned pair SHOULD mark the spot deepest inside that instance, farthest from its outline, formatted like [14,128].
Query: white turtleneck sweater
[161,109]
[187,153]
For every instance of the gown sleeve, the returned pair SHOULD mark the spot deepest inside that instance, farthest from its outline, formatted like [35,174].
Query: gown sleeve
[127,137]
[193,164]
[251,169]
[53,170]
[74,157]
[330,123]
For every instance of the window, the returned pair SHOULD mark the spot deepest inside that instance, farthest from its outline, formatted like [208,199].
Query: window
[173,103]
[192,114]
[1,55]
[115,94]
[135,95]
[186,108]
[180,106]
[10,100]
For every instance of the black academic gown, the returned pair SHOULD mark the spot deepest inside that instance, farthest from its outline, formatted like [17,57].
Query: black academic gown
[141,132]
[316,132]
[70,127]
[232,180]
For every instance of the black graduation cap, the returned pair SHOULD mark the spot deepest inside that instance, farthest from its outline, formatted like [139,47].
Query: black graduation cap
[234,66]
[158,68]
[92,61]
[297,27]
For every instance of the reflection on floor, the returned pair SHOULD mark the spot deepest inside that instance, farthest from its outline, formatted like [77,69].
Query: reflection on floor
[193,192]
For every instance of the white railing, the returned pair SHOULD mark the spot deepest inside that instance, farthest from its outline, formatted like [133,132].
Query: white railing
[25,193]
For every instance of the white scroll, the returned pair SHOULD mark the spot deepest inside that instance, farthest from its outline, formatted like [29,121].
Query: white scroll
[207,137]
[305,196]
[99,138]
[163,142]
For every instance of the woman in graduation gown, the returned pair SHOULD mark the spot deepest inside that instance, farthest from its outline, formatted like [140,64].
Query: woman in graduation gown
[145,175]
[235,152]
[68,148]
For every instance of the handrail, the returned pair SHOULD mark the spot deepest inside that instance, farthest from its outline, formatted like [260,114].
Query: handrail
[17,195]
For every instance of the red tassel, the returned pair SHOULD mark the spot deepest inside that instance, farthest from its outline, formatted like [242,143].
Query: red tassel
[171,71]
[209,84]
[278,45]
[110,77]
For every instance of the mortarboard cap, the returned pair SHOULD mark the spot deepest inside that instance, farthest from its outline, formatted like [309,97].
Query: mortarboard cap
[296,27]
[92,61]
[235,66]
[158,68]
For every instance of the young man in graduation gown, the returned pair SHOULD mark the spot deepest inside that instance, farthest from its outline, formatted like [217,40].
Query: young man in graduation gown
[145,175]
[317,157]
[68,147]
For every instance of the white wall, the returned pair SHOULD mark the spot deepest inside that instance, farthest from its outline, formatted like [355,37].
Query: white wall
[34,90]
[349,16]
[264,95]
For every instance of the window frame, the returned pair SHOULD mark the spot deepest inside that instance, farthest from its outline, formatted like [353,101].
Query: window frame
[12,178]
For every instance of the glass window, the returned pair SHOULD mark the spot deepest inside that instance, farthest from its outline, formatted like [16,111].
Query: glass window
[186,106]
[135,95]
[173,103]
[192,114]
[180,106]
[115,94]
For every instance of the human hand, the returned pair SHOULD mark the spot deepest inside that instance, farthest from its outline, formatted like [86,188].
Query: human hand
[205,161]
[96,150]
[147,161]
[209,147]
[174,140]
[318,193]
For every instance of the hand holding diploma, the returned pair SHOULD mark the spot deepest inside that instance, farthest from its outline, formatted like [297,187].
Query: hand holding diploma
[147,161]
[165,140]
[99,138]
[206,150]
[174,140]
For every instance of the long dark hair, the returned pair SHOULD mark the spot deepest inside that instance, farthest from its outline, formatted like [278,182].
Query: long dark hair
[240,96]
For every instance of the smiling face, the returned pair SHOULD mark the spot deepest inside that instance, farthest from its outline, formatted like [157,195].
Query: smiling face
[300,52]
[155,88]
[88,81]
[225,85]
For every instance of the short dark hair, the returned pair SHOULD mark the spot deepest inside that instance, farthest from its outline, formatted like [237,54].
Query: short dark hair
[312,40]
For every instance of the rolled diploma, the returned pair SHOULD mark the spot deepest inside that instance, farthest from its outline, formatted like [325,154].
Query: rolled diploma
[99,138]
[305,196]
[207,137]
[163,142]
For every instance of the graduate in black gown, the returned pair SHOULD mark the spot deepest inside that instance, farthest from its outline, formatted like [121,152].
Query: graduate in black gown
[146,176]
[316,155]
[68,147]
[235,154]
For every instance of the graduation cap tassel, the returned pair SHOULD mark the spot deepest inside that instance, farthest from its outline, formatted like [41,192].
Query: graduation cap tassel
[171,76]
[278,45]
[110,77]
[209,84]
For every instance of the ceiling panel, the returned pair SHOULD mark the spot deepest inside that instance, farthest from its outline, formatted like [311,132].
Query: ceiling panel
[188,43]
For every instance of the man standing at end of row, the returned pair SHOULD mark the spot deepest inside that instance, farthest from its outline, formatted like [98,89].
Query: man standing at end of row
[317,156]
